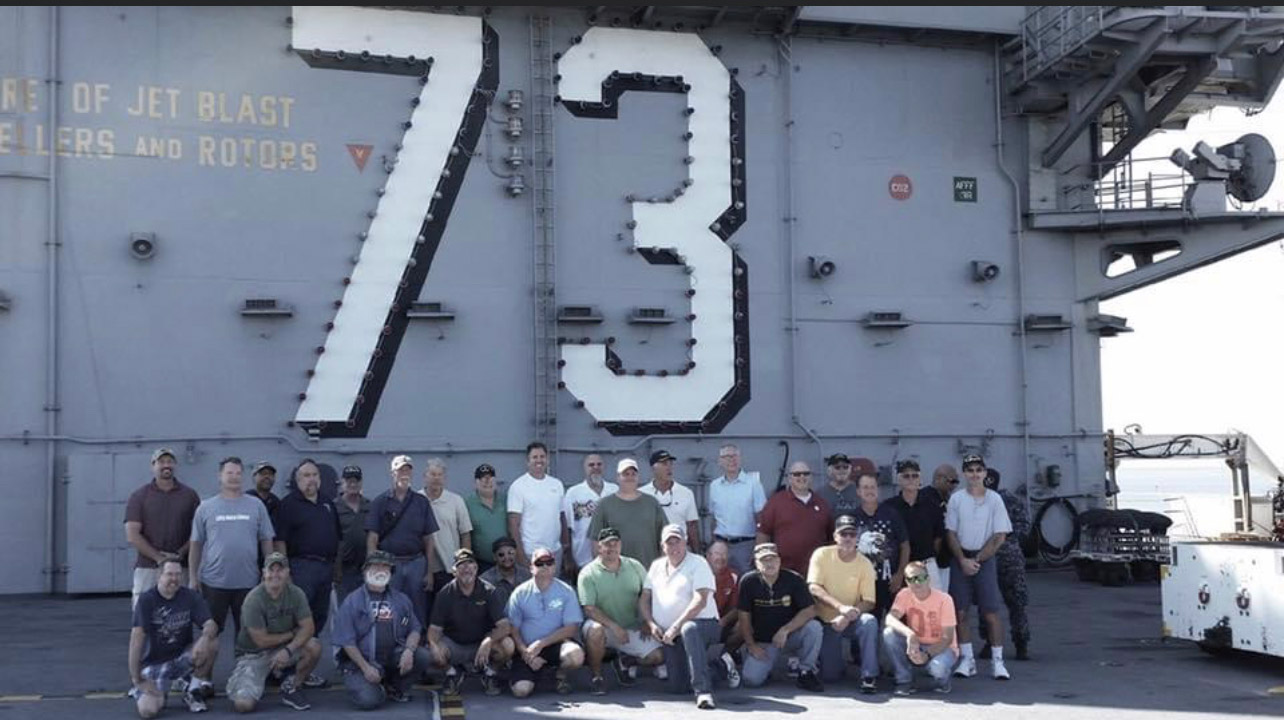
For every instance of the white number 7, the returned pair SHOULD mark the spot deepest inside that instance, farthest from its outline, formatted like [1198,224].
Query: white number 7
[354,364]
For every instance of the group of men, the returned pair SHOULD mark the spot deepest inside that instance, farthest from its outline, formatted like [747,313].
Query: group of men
[432,580]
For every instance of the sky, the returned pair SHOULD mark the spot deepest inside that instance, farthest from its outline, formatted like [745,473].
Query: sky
[1207,351]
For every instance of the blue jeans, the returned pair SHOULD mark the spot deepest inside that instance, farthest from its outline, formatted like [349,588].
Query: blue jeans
[365,695]
[314,578]
[803,643]
[408,577]
[864,633]
[939,667]
[688,657]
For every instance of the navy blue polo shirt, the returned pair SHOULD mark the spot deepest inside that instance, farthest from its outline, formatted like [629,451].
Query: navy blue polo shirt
[402,537]
[308,529]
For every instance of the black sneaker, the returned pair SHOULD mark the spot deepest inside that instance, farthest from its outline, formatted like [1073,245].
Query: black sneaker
[490,683]
[453,681]
[194,703]
[396,694]
[563,686]
[314,680]
[293,697]
[809,681]
[904,689]
[622,674]
[1022,651]
[869,685]
[597,685]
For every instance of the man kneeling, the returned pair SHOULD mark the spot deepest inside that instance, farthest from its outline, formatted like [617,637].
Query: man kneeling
[777,615]
[469,628]
[545,616]
[920,632]
[378,631]
[161,648]
[276,634]
[609,590]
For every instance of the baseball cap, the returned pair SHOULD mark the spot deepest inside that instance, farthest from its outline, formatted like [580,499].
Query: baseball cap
[863,466]
[501,543]
[673,530]
[661,456]
[625,464]
[162,452]
[275,558]
[765,549]
[838,459]
[483,470]
[608,533]
[379,557]
[261,466]
[401,461]
[844,521]
[351,471]
[907,464]
[973,459]
[542,553]
[464,555]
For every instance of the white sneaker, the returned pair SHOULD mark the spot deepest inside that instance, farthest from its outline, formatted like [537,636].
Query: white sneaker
[704,701]
[661,672]
[733,675]
[1001,671]
[194,703]
[966,667]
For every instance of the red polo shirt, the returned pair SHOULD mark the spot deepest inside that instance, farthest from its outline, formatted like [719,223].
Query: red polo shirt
[797,527]
[727,591]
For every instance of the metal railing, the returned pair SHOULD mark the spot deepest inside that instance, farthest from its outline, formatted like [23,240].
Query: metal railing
[1051,33]
[1131,184]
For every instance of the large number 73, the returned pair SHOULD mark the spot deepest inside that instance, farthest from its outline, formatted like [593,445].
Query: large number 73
[459,81]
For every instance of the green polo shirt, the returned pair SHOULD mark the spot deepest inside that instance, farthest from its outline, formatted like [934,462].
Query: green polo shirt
[614,593]
[489,524]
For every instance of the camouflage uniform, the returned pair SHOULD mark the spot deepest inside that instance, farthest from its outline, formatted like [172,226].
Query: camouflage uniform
[1012,568]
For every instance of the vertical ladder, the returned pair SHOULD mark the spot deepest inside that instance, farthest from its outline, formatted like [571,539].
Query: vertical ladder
[544,240]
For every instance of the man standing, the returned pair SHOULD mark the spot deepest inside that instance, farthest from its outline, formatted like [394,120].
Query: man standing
[726,593]
[507,574]
[535,507]
[735,500]
[278,634]
[469,628]
[376,635]
[401,523]
[307,531]
[158,521]
[842,581]
[797,521]
[882,539]
[609,588]
[353,507]
[161,646]
[945,480]
[776,615]
[977,525]
[920,511]
[678,501]
[1016,596]
[264,477]
[636,516]
[840,490]
[545,616]
[578,507]
[229,531]
[920,631]
[488,514]
[678,609]
[454,528]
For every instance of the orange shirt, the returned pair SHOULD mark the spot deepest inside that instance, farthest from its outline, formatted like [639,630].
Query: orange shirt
[927,618]
[727,592]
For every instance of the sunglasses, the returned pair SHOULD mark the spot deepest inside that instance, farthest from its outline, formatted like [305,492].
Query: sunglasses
[952,481]
[848,534]
[916,579]
[804,473]
[547,562]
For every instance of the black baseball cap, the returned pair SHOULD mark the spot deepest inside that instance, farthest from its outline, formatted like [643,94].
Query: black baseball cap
[907,464]
[482,470]
[661,456]
[608,533]
[351,471]
[838,459]
[973,459]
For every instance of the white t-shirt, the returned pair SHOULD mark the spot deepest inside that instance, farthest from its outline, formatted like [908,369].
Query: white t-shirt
[540,503]
[579,506]
[452,521]
[672,591]
[679,503]
[974,519]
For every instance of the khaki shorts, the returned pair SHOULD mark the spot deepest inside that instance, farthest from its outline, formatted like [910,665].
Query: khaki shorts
[249,677]
[637,646]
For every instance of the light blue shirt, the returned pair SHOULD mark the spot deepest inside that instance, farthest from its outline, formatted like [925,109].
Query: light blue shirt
[733,504]
[538,614]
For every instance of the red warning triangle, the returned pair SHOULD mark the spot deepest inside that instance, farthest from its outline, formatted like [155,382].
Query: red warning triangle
[360,154]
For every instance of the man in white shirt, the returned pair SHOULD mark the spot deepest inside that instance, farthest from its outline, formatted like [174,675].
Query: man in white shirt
[678,501]
[454,526]
[535,517]
[735,500]
[678,609]
[578,508]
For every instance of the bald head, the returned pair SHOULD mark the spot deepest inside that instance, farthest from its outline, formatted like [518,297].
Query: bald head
[945,478]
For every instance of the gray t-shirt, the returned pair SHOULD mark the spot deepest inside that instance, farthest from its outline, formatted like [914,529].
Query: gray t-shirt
[845,503]
[230,531]
[975,520]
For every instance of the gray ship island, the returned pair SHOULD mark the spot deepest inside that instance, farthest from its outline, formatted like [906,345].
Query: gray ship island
[352,233]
